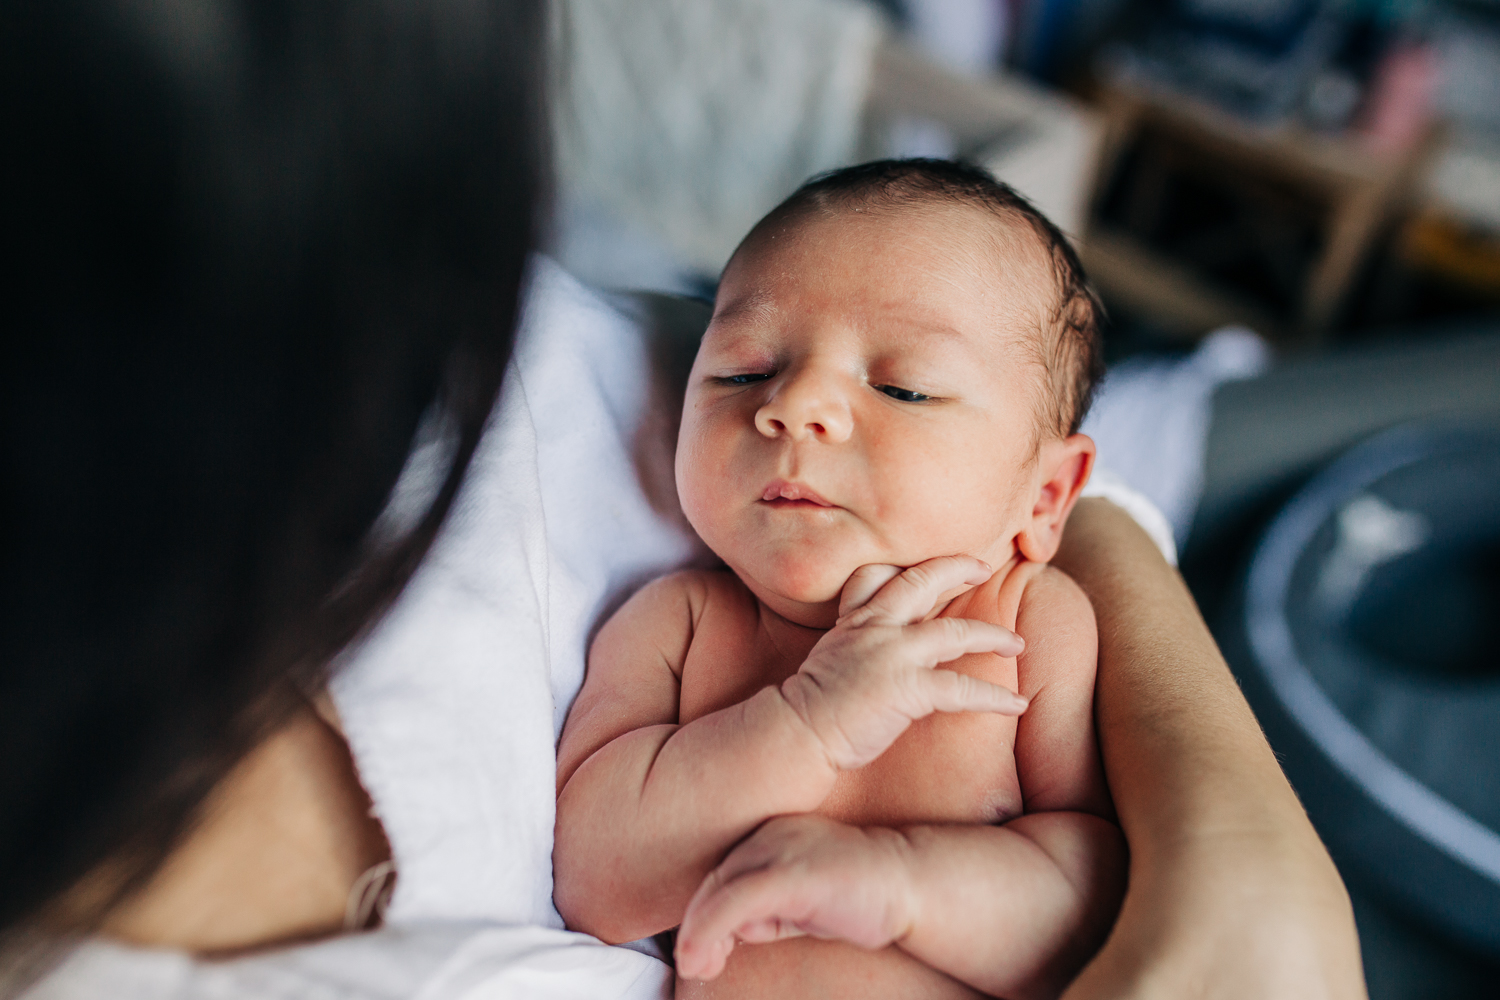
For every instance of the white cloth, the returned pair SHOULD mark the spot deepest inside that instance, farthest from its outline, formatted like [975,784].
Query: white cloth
[1150,421]
[423,961]
[454,705]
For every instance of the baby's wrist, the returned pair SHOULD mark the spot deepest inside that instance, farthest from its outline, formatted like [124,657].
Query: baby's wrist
[903,893]
[785,731]
[800,695]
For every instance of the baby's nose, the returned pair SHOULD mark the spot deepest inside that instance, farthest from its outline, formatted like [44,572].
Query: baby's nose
[806,409]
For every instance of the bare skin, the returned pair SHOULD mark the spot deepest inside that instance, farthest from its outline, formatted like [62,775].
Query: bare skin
[1003,846]
[273,858]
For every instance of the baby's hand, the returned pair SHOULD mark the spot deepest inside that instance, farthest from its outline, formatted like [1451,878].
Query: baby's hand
[798,875]
[873,674]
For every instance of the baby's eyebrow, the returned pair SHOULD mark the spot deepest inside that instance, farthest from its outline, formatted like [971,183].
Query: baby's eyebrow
[915,328]
[756,304]
[937,329]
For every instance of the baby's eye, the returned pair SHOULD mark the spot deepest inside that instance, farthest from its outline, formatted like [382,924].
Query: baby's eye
[747,379]
[905,395]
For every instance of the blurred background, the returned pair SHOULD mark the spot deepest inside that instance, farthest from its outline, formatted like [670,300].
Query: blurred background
[1292,211]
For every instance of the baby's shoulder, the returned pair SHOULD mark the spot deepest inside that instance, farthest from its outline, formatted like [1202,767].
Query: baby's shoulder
[700,585]
[683,596]
[661,618]
[1024,587]
[1055,618]
[1047,587]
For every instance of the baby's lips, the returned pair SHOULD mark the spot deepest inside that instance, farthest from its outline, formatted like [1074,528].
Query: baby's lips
[781,489]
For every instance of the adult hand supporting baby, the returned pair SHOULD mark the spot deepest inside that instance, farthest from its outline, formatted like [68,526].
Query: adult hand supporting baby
[876,671]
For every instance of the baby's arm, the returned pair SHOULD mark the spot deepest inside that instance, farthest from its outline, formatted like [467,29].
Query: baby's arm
[647,807]
[1062,864]
[1014,910]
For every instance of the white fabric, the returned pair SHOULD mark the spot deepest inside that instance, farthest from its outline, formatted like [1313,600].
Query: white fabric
[689,119]
[425,961]
[1150,420]
[1108,486]
[454,705]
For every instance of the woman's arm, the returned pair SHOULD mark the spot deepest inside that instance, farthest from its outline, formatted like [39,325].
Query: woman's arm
[1231,893]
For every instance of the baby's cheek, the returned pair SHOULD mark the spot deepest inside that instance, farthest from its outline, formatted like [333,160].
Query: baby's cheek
[957,510]
[699,493]
[705,513]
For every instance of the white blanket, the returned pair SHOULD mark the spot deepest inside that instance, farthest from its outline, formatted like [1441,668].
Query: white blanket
[1150,419]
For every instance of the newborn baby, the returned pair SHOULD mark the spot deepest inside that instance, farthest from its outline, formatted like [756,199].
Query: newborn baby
[816,761]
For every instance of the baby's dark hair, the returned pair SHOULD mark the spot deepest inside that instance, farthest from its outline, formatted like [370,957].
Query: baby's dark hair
[1071,352]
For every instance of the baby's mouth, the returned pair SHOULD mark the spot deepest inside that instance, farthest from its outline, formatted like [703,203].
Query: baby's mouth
[781,493]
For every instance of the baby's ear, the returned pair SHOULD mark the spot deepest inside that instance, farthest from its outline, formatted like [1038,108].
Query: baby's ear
[1063,467]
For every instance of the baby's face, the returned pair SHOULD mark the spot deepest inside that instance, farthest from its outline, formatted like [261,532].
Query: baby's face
[865,393]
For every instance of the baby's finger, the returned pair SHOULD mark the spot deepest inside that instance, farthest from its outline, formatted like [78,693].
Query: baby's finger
[911,595]
[943,639]
[767,930]
[755,903]
[863,584]
[951,691]
[702,960]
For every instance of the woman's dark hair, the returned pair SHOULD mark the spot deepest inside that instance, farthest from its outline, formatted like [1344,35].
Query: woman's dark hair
[252,243]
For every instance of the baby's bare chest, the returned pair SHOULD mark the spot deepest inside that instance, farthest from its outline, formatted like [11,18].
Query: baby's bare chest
[945,768]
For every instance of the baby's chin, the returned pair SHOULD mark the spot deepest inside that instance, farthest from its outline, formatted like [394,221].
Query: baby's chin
[804,593]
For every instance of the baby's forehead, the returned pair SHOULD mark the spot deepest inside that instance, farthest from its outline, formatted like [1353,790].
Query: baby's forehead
[1005,230]
[948,251]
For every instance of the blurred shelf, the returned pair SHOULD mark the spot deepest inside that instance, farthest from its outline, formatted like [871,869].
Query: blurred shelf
[1303,209]
[1179,301]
